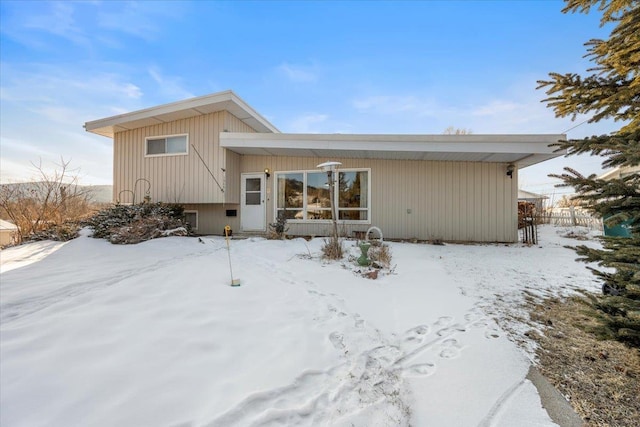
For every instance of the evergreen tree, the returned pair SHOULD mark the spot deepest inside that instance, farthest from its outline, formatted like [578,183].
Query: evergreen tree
[612,91]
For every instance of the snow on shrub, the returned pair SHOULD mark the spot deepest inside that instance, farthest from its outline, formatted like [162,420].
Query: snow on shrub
[129,224]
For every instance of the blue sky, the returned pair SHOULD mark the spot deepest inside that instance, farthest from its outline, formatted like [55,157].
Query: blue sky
[349,67]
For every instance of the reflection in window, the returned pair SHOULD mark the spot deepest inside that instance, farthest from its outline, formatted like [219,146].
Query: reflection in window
[306,195]
[165,145]
[253,184]
[291,195]
[318,196]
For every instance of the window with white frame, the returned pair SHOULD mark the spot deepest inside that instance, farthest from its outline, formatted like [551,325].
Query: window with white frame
[305,195]
[166,145]
[191,218]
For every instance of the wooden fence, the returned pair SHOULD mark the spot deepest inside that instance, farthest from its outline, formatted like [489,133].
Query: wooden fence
[570,217]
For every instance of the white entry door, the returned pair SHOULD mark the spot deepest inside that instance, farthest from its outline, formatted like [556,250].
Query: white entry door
[253,208]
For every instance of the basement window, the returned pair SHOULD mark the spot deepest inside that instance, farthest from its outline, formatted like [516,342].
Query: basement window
[191,218]
[170,145]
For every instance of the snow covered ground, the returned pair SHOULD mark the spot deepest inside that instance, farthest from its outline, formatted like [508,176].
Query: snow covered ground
[94,334]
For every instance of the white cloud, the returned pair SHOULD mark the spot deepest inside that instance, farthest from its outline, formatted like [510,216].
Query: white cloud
[133,18]
[43,109]
[170,87]
[59,21]
[299,73]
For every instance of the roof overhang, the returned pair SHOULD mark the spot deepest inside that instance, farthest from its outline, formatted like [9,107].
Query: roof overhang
[182,110]
[522,150]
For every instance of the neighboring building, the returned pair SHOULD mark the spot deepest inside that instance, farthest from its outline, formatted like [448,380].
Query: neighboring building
[536,199]
[620,172]
[228,165]
[7,233]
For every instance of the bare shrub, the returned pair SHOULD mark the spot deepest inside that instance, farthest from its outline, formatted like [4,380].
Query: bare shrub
[380,255]
[49,206]
[278,229]
[332,249]
[58,232]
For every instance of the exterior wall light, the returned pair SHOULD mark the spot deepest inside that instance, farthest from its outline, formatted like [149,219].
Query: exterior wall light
[510,170]
[267,172]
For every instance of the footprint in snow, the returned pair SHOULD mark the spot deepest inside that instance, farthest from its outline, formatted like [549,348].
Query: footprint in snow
[337,340]
[482,323]
[443,321]
[473,316]
[419,330]
[450,349]
[491,333]
[449,353]
[384,355]
[416,335]
[451,329]
[420,370]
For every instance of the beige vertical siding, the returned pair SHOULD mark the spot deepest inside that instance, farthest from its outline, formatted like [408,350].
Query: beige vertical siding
[181,179]
[232,177]
[232,189]
[451,201]
[212,218]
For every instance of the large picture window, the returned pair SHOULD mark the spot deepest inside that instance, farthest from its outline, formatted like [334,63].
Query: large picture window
[305,195]
[166,145]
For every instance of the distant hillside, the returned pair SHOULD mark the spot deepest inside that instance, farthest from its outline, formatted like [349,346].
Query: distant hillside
[100,193]
[97,193]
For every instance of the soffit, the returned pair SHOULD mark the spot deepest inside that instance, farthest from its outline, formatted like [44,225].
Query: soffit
[523,150]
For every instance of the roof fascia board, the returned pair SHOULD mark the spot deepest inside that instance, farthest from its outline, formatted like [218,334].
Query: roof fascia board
[222,98]
[538,144]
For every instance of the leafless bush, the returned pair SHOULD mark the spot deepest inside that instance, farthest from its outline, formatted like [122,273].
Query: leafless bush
[332,248]
[52,201]
[278,229]
[380,255]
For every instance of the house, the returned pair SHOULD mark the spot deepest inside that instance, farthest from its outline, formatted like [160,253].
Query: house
[8,231]
[620,172]
[536,199]
[229,166]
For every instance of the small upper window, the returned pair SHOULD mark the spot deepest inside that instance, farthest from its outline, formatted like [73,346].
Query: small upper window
[166,145]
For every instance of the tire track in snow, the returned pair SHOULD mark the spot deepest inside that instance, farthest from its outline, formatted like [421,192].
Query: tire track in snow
[493,417]
[26,306]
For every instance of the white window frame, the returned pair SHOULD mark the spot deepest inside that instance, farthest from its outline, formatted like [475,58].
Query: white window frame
[192,211]
[336,198]
[146,145]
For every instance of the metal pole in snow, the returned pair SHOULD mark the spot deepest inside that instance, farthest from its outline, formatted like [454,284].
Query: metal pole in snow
[234,282]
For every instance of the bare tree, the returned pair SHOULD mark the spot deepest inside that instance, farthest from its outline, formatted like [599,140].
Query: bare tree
[457,131]
[50,201]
